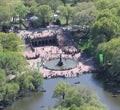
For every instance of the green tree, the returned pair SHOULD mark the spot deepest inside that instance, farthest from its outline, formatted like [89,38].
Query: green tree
[2,81]
[66,12]
[116,63]
[25,82]
[29,80]
[77,98]
[12,8]
[37,78]
[2,77]
[73,107]
[1,48]
[12,62]
[45,13]
[91,107]
[11,42]
[33,9]
[3,37]
[5,15]
[111,57]
[9,11]
[88,96]
[9,92]
[78,101]
[60,90]
[29,3]
[103,30]
[105,13]
[54,4]
[102,4]
[21,11]
[83,14]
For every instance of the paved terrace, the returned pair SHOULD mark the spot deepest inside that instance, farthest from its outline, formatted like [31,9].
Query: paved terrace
[49,52]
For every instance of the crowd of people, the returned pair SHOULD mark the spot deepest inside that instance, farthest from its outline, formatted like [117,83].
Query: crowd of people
[33,34]
[45,53]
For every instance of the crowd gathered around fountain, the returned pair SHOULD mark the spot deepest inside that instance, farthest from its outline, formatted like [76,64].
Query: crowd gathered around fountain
[65,47]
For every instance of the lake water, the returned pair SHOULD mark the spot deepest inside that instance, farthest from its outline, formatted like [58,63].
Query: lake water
[42,101]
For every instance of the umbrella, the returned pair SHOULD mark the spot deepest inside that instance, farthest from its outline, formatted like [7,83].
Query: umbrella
[33,18]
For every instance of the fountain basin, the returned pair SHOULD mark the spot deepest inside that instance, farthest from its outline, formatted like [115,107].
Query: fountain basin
[67,64]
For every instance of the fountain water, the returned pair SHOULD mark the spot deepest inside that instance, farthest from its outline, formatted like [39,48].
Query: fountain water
[59,64]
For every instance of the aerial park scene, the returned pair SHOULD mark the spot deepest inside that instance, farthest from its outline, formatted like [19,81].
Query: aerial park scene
[59,55]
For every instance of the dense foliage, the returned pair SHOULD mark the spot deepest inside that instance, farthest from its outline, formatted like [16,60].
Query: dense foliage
[15,79]
[76,98]
[111,54]
[105,33]
[16,12]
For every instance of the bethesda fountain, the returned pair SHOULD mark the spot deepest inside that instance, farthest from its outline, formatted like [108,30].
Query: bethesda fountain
[61,63]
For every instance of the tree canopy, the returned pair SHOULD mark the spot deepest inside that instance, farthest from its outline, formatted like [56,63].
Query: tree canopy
[76,97]
[44,13]
[10,42]
[66,12]
[110,51]
[13,63]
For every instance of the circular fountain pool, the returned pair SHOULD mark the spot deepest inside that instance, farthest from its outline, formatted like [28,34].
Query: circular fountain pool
[67,64]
